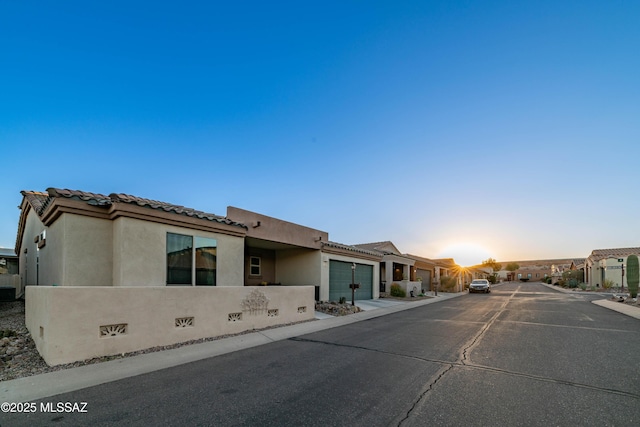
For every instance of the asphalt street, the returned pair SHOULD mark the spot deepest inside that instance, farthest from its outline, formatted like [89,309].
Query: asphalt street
[522,355]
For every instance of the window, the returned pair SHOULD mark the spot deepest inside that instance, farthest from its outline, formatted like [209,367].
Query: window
[184,264]
[254,266]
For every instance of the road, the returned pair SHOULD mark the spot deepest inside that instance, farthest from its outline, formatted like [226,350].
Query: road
[522,355]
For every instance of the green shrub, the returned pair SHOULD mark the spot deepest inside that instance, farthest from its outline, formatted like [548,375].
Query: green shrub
[448,283]
[572,283]
[608,284]
[583,286]
[343,300]
[397,291]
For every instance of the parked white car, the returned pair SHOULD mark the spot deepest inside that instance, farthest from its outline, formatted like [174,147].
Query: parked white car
[480,285]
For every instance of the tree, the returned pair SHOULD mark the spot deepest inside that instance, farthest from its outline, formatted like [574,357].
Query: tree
[512,266]
[495,266]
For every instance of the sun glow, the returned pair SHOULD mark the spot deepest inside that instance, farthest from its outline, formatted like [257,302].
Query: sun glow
[465,254]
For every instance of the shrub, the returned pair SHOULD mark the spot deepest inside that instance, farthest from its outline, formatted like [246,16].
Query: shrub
[397,291]
[572,283]
[583,286]
[343,300]
[447,283]
[608,284]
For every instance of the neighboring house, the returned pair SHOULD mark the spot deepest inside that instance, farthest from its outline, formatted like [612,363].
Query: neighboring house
[394,267]
[118,273]
[608,264]
[424,270]
[447,267]
[8,261]
[10,287]
[534,270]
[283,253]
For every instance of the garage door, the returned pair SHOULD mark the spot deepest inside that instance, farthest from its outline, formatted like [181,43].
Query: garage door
[340,279]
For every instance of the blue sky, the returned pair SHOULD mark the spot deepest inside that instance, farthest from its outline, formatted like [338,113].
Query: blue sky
[452,128]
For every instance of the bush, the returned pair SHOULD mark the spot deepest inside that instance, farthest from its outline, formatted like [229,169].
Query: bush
[572,283]
[492,279]
[608,283]
[397,291]
[448,283]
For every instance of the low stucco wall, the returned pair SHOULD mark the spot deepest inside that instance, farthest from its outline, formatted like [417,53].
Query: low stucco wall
[77,323]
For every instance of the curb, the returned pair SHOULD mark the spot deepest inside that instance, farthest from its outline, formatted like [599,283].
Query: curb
[619,307]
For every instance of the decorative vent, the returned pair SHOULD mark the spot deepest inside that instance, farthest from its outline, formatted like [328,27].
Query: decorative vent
[113,330]
[302,309]
[235,317]
[256,302]
[184,322]
[273,312]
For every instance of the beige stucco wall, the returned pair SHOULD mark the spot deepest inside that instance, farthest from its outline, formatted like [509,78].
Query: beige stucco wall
[88,253]
[77,252]
[613,271]
[276,230]
[298,267]
[65,322]
[43,266]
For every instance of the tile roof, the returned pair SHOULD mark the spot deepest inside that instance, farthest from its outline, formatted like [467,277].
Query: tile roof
[39,202]
[350,248]
[380,247]
[598,254]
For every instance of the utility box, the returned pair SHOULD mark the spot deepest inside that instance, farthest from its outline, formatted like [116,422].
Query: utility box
[7,293]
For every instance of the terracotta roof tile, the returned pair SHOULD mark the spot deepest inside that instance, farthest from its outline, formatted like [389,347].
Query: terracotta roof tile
[39,202]
[380,247]
[598,254]
[167,207]
[351,248]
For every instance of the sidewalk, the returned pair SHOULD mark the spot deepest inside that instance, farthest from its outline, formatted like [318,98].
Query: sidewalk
[53,383]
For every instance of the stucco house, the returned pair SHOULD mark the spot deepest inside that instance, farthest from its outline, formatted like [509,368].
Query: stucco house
[284,253]
[118,273]
[607,264]
[393,268]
